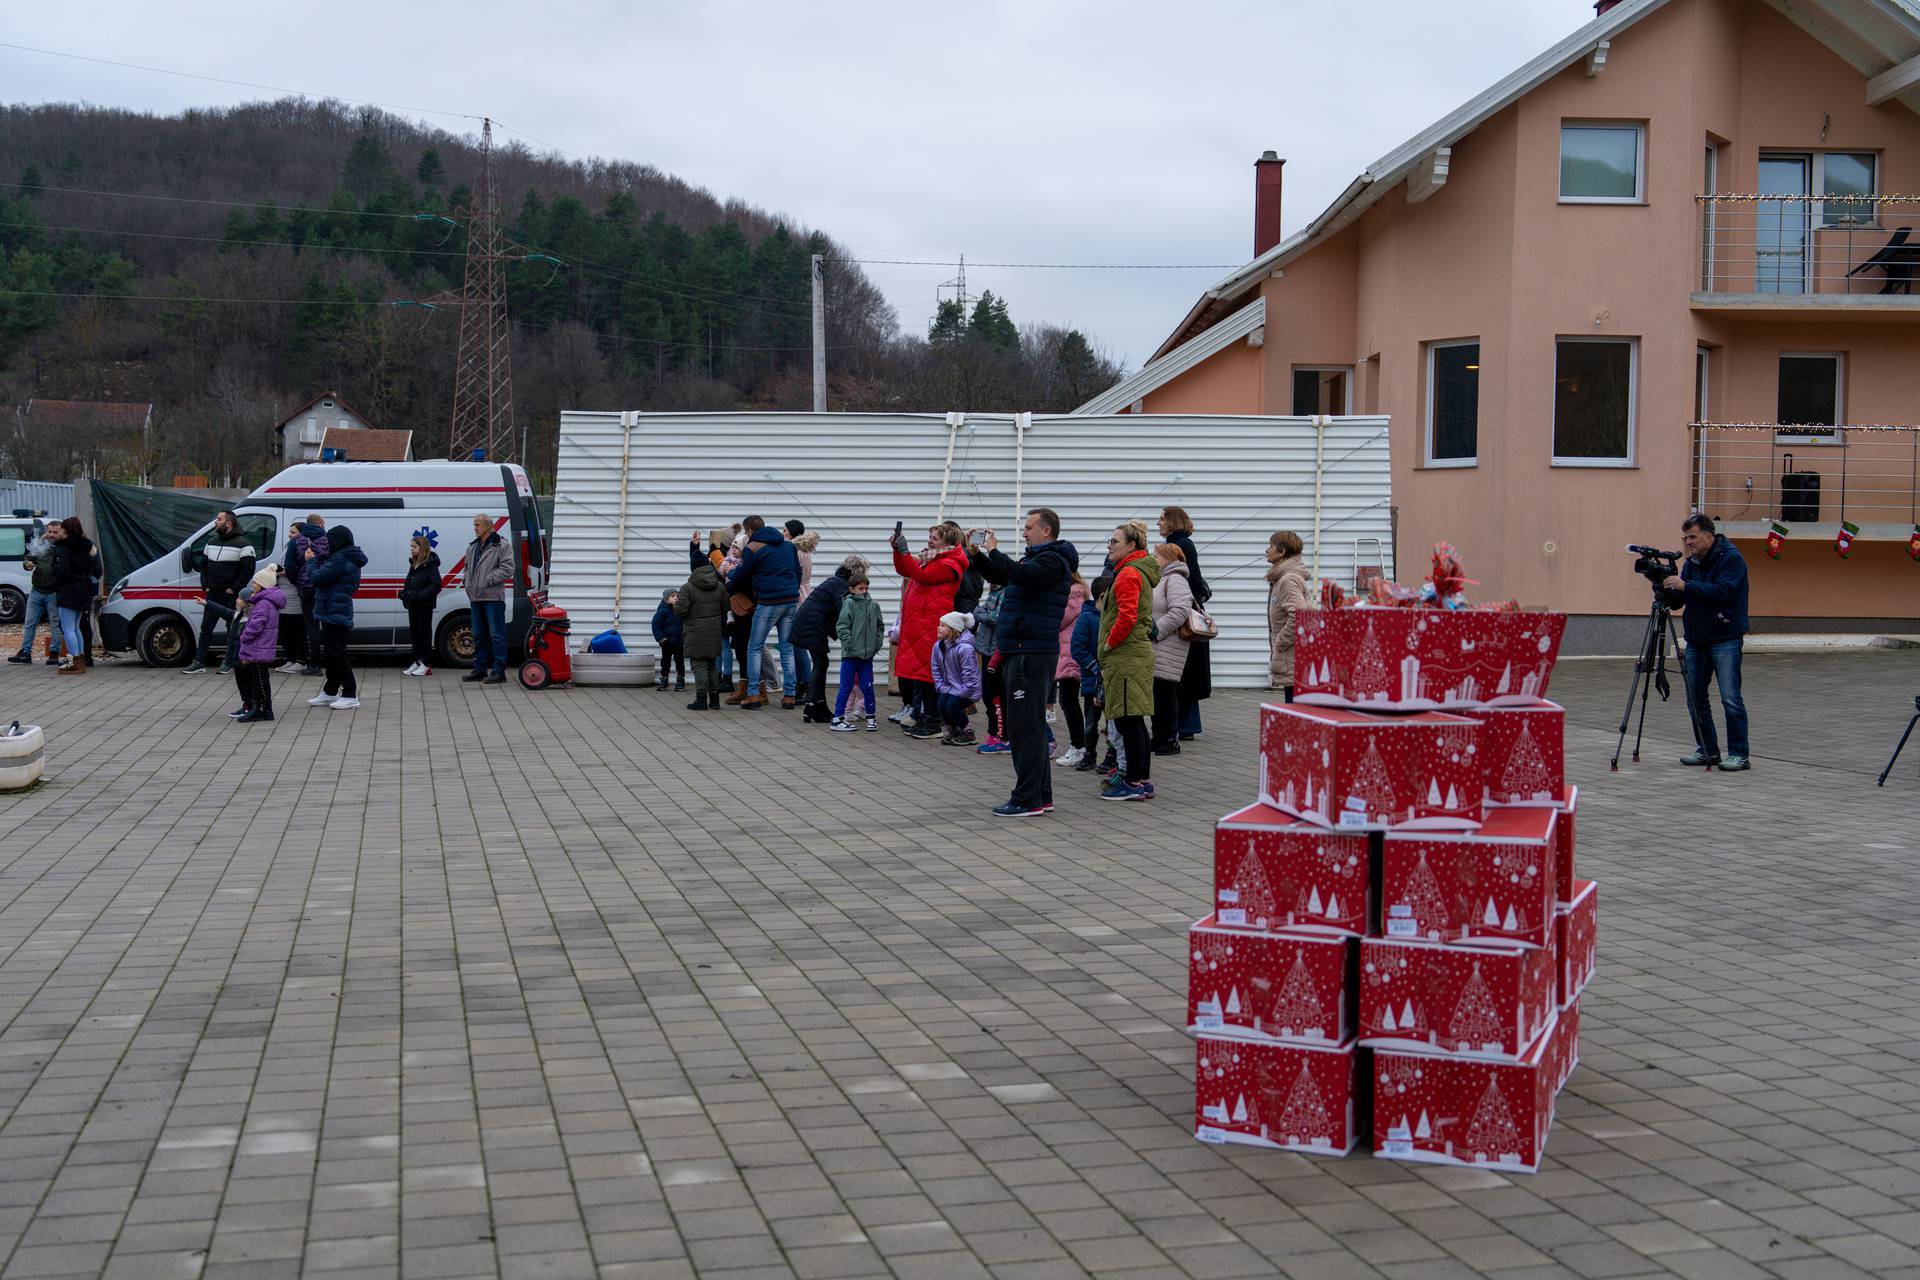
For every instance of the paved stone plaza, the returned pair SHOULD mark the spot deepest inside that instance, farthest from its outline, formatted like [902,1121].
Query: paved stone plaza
[476,982]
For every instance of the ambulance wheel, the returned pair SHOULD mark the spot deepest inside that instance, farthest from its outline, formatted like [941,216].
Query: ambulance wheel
[164,640]
[534,674]
[455,642]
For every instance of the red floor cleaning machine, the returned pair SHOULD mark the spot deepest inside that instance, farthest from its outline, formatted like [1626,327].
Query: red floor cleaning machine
[547,663]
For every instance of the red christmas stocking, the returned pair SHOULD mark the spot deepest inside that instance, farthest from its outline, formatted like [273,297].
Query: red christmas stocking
[1843,541]
[1776,538]
[1913,543]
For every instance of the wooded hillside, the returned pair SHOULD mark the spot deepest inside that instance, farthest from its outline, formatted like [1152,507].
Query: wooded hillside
[229,265]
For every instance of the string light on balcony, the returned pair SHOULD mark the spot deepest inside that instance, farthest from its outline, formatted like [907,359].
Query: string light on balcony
[1802,427]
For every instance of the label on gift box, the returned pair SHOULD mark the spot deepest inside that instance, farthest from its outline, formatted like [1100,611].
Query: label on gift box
[1227,896]
[1403,927]
[1210,1133]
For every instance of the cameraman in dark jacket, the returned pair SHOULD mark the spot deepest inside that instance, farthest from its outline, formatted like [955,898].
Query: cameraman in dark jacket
[1710,593]
[1027,647]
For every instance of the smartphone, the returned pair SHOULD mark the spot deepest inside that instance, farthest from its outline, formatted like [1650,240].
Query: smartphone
[898,525]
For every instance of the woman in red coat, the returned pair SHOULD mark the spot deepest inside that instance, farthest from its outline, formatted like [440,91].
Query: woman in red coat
[927,593]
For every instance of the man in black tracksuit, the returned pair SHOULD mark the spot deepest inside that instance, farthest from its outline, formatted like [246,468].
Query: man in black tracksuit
[1027,647]
[226,565]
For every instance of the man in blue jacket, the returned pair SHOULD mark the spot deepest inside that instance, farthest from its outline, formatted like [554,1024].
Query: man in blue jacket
[769,573]
[1711,592]
[1027,647]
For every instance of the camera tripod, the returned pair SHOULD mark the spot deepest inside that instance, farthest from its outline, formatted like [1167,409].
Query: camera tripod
[1649,673]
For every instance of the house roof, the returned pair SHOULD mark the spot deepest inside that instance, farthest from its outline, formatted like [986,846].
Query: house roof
[324,395]
[1878,38]
[57,413]
[369,444]
[1157,373]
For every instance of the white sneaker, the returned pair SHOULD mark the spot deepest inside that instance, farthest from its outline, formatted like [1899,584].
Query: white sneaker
[1052,714]
[345,704]
[1071,757]
[321,700]
[288,669]
[841,725]
[413,670]
[901,716]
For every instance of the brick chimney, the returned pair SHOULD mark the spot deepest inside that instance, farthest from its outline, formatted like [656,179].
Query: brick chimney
[1266,202]
[1601,6]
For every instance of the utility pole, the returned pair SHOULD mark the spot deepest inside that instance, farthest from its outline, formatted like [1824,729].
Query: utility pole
[819,334]
[483,374]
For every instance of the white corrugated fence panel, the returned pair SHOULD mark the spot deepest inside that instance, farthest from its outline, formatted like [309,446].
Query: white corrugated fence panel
[850,476]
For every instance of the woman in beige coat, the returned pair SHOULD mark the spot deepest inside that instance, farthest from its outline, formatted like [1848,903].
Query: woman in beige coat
[1286,596]
[1172,606]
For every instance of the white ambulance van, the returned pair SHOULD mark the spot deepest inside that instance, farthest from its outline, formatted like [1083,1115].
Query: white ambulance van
[153,610]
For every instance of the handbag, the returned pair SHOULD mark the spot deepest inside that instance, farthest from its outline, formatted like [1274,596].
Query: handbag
[741,604]
[1199,625]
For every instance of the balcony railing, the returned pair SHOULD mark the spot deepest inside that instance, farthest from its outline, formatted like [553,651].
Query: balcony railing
[1748,475]
[1867,247]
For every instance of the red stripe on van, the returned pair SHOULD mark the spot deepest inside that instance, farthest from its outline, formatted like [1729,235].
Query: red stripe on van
[397,488]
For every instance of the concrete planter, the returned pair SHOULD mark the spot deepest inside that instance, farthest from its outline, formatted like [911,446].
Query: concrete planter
[613,668]
[22,756]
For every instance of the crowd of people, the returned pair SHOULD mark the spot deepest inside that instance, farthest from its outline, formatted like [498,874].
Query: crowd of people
[65,574]
[1120,662]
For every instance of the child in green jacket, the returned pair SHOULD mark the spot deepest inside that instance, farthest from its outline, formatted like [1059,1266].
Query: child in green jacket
[861,631]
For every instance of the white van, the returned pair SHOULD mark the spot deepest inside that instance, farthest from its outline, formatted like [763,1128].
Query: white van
[153,610]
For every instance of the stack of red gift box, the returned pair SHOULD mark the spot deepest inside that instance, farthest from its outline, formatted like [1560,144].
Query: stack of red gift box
[1398,943]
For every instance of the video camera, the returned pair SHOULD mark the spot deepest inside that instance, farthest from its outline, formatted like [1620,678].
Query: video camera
[1653,564]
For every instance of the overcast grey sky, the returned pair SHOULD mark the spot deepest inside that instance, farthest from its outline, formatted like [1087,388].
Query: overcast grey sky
[1027,132]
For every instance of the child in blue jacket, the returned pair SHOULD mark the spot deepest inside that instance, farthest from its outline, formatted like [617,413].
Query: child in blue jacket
[1085,647]
[670,634]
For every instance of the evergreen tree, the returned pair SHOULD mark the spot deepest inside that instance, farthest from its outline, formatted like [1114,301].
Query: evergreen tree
[28,301]
[991,326]
[949,323]
[430,171]
[368,171]
[31,183]
[70,166]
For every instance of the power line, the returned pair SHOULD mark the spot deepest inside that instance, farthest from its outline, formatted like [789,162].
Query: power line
[243,84]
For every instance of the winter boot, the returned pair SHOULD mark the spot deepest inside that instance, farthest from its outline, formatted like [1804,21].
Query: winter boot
[739,694]
[699,702]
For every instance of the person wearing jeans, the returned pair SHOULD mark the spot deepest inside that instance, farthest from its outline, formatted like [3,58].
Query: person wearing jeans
[769,573]
[489,574]
[1710,593]
[41,600]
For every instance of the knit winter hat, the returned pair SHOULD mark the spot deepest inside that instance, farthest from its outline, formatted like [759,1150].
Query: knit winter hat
[267,577]
[961,622]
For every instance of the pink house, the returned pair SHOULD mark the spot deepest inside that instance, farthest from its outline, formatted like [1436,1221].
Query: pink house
[1682,216]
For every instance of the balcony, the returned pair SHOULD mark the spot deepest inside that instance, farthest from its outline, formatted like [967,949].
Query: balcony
[1809,478]
[1762,257]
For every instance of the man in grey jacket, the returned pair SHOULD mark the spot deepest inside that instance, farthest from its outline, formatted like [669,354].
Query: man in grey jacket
[489,574]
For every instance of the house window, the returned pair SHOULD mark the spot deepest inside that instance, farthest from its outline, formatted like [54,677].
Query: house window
[1593,401]
[1812,393]
[1453,403]
[1322,389]
[1845,173]
[1602,163]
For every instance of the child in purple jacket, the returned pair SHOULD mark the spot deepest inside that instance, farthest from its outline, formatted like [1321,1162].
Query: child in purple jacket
[956,677]
[259,624]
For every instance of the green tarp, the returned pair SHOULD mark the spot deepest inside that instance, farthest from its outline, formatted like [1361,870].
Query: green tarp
[137,526]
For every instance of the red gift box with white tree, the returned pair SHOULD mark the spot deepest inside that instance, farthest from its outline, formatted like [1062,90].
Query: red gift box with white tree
[1494,884]
[1563,845]
[1268,986]
[1484,1002]
[1387,659]
[1295,1097]
[1453,1110]
[1576,930]
[1521,753]
[1565,1051]
[1340,768]
[1272,870]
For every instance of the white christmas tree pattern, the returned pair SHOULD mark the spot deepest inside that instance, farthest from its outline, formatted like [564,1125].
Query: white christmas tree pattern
[1297,1008]
[1475,1019]
[1305,1115]
[1212,950]
[1492,1132]
[1256,893]
[1526,776]
[1369,667]
[1373,784]
[1423,895]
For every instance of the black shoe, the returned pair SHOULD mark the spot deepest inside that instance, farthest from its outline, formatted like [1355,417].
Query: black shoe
[312,671]
[473,677]
[53,662]
[698,704]
[498,677]
[1167,749]
[1085,765]
[253,717]
[662,686]
[928,730]
[680,686]
[1188,737]
[22,656]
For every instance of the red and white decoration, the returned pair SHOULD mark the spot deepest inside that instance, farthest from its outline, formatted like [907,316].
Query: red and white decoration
[1490,885]
[1563,845]
[1454,1110]
[1521,753]
[1296,1097]
[1273,871]
[1565,1051]
[1387,659]
[1576,929]
[1341,768]
[1256,985]
[1477,1002]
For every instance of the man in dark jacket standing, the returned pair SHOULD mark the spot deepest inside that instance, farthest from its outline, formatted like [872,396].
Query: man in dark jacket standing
[1711,592]
[769,572]
[489,573]
[1027,647]
[226,565]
